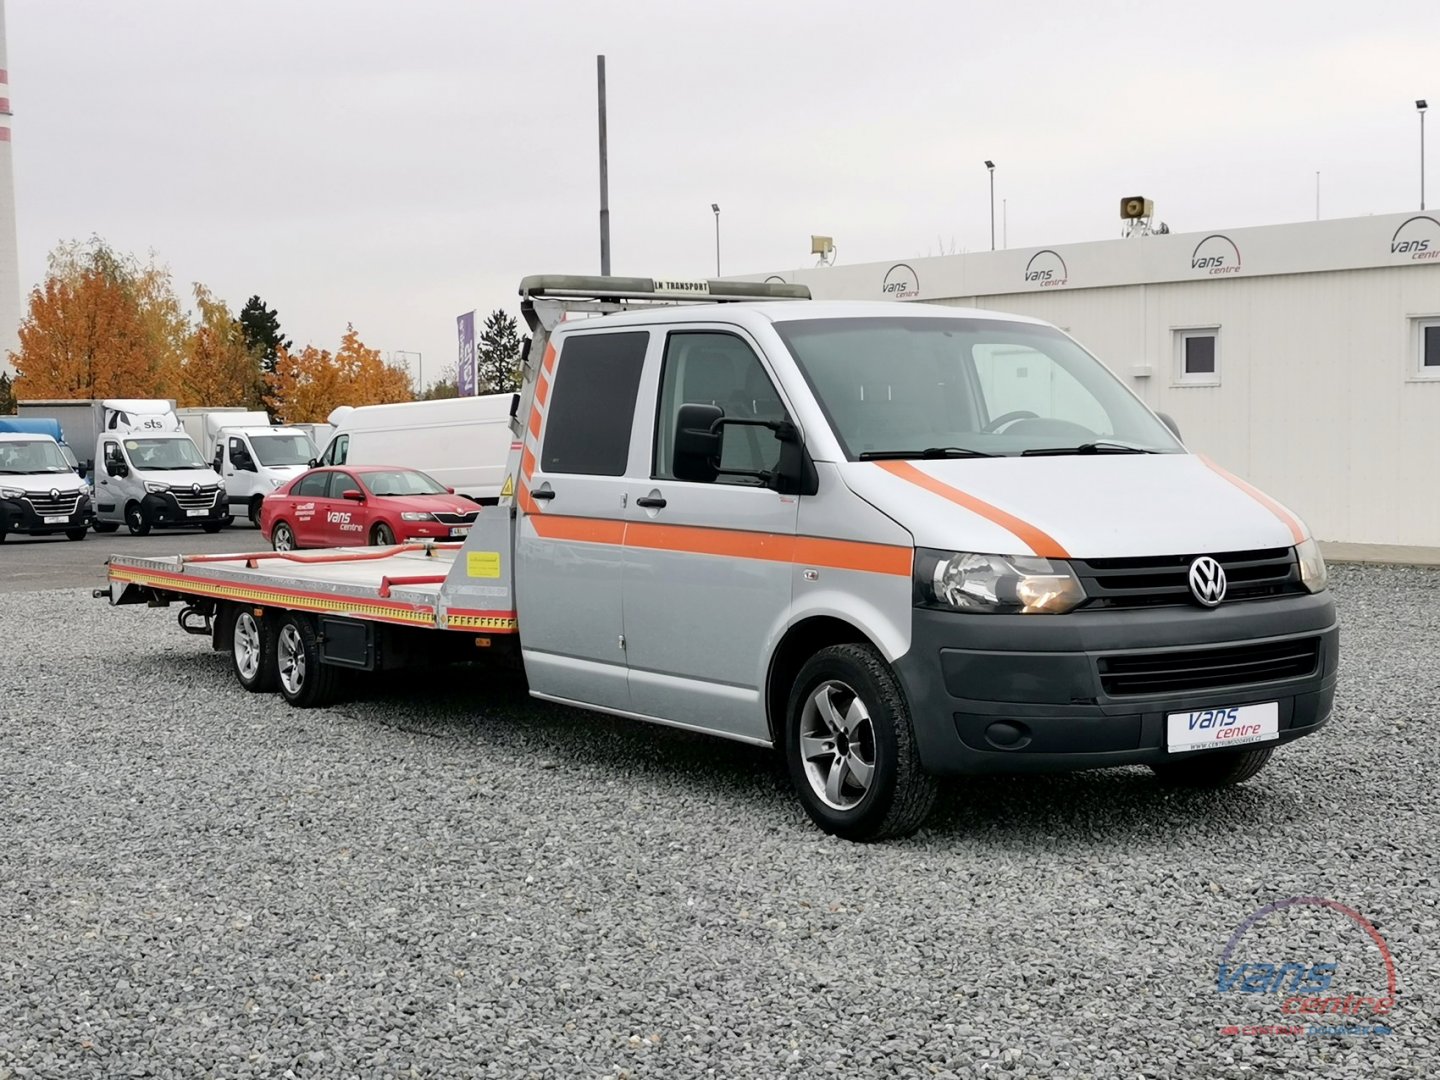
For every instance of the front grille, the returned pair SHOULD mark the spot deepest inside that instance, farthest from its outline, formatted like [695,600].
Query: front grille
[1207,669]
[45,506]
[1150,581]
[189,499]
[457,519]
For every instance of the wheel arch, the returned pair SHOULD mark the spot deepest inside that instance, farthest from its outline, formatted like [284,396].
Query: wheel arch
[800,642]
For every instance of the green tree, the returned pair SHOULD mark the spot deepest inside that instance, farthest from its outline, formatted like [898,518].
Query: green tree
[261,326]
[7,395]
[497,354]
[444,387]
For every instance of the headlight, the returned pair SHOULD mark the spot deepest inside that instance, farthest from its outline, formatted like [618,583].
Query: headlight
[11,493]
[156,489]
[996,584]
[411,515]
[274,483]
[1312,566]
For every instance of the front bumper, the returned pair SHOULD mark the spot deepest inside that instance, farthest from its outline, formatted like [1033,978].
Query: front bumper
[19,516]
[1003,693]
[163,510]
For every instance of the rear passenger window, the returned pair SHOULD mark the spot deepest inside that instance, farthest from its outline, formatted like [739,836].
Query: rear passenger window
[340,483]
[312,486]
[592,406]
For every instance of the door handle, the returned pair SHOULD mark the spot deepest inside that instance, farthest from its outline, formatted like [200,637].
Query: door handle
[651,502]
[544,494]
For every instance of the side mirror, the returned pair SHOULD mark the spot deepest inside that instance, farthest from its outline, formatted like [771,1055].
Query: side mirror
[81,470]
[450,490]
[313,462]
[1169,421]
[120,470]
[697,443]
[353,495]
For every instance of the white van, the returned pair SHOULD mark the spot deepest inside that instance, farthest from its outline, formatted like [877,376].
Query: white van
[254,461]
[40,491]
[461,442]
[149,473]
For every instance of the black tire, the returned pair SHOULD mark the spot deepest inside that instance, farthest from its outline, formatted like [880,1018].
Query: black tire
[106,526]
[282,537]
[1214,768]
[302,679]
[252,648]
[136,520]
[382,536]
[212,526]
[255,510]
[76,534]
[899,794]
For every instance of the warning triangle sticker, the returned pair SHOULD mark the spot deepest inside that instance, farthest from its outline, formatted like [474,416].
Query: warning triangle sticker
[508,491]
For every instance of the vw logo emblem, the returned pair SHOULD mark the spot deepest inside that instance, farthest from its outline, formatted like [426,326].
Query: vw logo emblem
[1207,581]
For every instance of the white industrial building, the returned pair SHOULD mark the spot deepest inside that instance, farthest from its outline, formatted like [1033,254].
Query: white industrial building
[1304,357]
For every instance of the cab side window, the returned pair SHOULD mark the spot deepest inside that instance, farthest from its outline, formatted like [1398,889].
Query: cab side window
[714,368]
[312,486]
[113,457]
[336,451]
[239,454]
[592,406]
[219,457]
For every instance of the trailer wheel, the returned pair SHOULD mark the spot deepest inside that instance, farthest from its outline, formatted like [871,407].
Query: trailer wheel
[252,648]
[304,681]
[136,521]
[850,747]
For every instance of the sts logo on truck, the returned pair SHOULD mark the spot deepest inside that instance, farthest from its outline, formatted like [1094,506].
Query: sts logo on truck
[1346,990]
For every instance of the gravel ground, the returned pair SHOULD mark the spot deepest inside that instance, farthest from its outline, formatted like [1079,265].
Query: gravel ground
[201,882]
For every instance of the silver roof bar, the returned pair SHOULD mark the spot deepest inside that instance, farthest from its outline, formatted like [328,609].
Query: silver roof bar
[659,290]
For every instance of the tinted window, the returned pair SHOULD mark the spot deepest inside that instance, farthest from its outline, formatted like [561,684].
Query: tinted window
[1200,355]
[336,451]
[718,369]
[1431,356]
[340,483]
[592,407]
[312,485]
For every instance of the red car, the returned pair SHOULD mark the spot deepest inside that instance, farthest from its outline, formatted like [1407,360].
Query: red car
[371,504]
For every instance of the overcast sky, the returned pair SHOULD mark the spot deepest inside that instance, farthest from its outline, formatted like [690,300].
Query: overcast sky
[394,164]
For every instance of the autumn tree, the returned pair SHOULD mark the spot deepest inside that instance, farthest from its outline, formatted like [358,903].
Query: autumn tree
[220,367]
[7,395]
[102,324]
[309,384]
[497,354]
[262,331]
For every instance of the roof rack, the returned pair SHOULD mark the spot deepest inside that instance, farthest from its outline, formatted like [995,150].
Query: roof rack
[656,290]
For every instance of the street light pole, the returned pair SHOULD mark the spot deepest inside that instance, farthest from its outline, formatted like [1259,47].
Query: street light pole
[991,166]
[1421,106]
[604,171]
[716,208]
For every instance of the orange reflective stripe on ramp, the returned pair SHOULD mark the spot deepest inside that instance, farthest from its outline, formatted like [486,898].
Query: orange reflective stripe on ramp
[1040,542]
[1296,532]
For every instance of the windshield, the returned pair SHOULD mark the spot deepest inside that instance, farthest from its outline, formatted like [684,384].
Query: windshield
[899,386]
[288,449]
[400,482]
[32,456]
[158,454]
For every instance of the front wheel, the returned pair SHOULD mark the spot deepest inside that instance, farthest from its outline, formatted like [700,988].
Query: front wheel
[76,534]
[382,535]
[304,681]
[1214,768]
[850,747]
[136,520]
[212,526]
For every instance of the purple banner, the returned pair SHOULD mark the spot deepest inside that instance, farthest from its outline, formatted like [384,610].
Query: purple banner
[465,367]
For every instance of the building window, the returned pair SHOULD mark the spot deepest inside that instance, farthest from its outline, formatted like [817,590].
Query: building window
[1427,348]
[1197,356]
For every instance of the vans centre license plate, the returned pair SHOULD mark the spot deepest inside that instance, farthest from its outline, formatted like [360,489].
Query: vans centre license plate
[1214,729]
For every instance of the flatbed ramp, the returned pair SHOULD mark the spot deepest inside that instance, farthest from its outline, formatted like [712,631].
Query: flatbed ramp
[401,585]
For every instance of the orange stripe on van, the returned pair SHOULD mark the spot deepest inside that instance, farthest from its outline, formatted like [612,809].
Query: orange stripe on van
[542,389]
[549,362]
[1040,542]
[535,423]
[696,540]
[527,463]
[1296,532]
[854,555]
[579,530]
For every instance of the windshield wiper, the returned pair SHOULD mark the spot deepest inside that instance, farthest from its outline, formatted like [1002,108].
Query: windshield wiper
[928,454]
[1086,448]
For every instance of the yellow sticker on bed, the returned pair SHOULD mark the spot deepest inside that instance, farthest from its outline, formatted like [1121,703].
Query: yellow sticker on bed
[482,564]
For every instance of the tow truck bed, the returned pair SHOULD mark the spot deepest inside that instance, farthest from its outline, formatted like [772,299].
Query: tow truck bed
[399,584]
